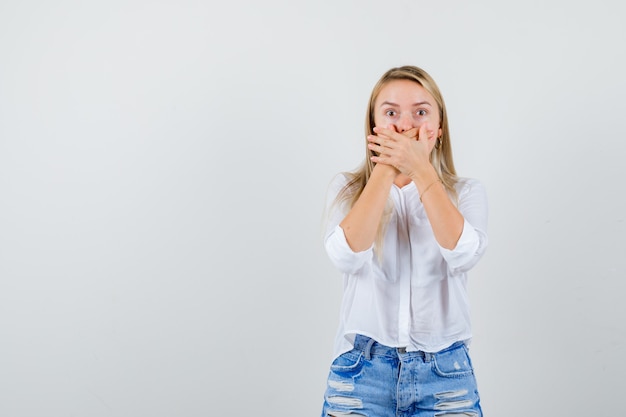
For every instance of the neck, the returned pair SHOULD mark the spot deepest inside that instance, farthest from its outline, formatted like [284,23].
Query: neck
[402,180]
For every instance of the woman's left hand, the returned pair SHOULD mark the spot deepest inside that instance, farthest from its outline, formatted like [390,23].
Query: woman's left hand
[408,154]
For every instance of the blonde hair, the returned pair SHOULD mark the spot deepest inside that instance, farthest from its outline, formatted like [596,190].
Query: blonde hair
[440,157]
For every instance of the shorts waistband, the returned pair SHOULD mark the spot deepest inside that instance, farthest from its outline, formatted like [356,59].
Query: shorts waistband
[371,347]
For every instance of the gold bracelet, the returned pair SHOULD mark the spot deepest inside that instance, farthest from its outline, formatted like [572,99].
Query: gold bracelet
[427,188]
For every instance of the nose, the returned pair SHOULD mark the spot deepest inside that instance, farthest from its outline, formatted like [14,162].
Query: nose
[405,122]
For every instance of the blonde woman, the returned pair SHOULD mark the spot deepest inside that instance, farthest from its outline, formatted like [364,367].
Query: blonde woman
[404,231]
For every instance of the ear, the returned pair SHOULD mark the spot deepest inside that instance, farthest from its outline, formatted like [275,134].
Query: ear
[439,132]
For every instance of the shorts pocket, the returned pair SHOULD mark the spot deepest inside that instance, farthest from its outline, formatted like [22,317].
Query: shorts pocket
[453,363]
[348,364]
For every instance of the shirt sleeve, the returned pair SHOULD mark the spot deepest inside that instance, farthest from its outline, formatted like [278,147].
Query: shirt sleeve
[473,241]
[341,255]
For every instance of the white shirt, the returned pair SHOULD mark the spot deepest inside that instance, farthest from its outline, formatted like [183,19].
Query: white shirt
[416,297]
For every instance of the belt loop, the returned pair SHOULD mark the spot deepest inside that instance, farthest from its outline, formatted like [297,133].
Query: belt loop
[428,356]
[367,349]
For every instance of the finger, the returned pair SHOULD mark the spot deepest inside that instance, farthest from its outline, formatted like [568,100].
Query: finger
[389,133]
[412,133]
[425,132]
[380,149]
[394,135]
[378,137]
[374,141]
[381,140]
[380,160]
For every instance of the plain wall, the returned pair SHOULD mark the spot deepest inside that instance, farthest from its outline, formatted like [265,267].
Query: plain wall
[163,170]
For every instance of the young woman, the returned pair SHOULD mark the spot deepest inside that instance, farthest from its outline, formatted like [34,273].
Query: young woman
[404,231]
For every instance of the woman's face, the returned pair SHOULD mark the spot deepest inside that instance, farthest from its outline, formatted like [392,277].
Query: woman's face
[406,105]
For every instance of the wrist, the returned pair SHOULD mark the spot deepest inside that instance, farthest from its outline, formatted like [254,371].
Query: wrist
[385,171]
[424,177]
[424,190]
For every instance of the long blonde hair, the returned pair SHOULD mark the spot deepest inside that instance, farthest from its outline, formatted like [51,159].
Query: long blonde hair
[440,157]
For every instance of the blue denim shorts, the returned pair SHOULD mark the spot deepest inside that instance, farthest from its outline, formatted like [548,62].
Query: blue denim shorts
[374,380]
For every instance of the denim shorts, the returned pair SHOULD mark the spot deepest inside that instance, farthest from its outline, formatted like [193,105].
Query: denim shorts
[374,380]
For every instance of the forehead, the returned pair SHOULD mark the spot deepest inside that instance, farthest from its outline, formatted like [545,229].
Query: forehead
[403,92]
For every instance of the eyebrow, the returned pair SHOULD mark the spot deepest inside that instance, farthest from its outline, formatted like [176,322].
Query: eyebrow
[389,103]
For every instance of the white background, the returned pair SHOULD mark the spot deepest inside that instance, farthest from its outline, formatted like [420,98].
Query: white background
[163,169]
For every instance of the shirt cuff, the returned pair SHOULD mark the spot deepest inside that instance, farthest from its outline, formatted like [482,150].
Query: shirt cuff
[342,256]
[468,249]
